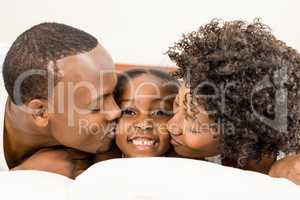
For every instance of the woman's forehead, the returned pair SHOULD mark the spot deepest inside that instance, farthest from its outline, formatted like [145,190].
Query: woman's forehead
[183,90]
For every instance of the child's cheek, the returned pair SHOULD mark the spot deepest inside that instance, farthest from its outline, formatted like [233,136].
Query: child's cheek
[121,135]
[124,128]
[161,127]
[164,136]
[122,125]
[121,130]
[164,142]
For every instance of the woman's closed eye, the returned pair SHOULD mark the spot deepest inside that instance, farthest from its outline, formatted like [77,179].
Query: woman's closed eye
[94,110]
[162,113]
[128,112]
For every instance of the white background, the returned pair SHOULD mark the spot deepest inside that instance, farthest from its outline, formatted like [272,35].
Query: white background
[139,31]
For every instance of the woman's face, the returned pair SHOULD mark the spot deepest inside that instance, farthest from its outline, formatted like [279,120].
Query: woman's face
[192,134]
[142,128]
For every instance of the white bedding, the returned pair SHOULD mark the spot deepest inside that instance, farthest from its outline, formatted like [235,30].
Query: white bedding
[147,179]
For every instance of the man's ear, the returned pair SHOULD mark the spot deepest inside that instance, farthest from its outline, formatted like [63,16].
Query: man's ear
[39,112]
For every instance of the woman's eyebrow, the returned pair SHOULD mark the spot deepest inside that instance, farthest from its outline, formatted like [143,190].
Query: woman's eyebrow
[176,100]
[126,100]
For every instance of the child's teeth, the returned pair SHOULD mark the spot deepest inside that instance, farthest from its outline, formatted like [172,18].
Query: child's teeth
[143,142]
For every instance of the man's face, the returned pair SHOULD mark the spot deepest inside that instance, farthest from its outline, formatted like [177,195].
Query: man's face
[84,109]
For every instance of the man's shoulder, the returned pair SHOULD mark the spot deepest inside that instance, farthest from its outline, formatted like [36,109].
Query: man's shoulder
[3,98]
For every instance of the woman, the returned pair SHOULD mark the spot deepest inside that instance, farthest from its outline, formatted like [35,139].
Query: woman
[239,98]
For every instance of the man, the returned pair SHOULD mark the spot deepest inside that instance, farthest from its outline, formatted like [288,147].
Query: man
[60,107]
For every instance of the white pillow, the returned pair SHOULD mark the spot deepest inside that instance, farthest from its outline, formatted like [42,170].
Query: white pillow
[148,179]
[33,185]
[175,178]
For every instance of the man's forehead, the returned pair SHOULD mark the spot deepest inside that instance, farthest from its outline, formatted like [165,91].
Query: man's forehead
[88,75]
[103,83]
[97,60]
[87,91]
[91,67]
[107,85]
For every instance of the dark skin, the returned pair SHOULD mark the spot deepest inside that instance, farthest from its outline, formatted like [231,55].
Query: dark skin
[192,138]
[63,161]
[288,167]
[141,130]
[114,152]
[80,119]
[146,111]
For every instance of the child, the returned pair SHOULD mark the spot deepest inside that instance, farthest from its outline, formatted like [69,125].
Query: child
[146,99]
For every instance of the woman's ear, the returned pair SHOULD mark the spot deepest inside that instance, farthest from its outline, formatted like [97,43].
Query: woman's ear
[39,112]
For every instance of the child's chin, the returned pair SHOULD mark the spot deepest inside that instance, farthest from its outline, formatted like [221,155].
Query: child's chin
[143,154]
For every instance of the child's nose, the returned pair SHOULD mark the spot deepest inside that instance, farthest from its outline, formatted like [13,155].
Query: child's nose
[145,125]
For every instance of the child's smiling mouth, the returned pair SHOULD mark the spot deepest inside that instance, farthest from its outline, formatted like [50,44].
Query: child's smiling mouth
[143,143]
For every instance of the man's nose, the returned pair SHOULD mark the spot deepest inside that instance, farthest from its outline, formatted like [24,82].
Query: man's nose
[175,126]
[113,111]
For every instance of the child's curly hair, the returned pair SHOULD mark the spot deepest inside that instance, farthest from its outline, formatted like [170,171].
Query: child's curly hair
[259,77]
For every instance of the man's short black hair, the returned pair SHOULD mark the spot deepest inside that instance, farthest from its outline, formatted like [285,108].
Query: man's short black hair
[33,50]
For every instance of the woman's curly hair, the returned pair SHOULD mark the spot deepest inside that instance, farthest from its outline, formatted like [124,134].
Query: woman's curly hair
[257,79]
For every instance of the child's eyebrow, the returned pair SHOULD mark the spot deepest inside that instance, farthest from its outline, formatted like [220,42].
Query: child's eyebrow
[153,99]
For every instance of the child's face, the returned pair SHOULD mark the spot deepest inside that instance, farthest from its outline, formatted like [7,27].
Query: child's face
[192,136]
[146,108]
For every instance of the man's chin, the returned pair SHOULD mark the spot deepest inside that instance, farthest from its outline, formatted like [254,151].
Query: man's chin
[96,148]
[104,147]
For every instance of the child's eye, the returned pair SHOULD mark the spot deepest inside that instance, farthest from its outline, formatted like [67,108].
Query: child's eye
[128,112]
